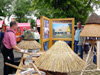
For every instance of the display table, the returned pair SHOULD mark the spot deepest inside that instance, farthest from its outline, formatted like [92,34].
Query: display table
[21,62]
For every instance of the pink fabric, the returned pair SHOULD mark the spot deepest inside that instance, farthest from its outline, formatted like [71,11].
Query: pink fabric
[9,39]
[23,24]
[38,22]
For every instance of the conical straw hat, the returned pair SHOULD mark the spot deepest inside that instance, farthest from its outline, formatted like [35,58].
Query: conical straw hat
[60,58]
[31,45]
[92,27]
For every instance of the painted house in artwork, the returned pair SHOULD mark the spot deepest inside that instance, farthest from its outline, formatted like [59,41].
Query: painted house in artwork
[68,30]
[62,30]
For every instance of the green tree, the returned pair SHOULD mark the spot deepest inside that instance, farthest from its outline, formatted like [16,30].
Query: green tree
[5,7]
[33,23]
[79,9]
[22,10]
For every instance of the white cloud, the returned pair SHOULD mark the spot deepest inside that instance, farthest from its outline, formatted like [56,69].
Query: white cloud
[97,11]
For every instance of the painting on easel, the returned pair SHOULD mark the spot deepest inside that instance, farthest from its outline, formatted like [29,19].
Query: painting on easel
[56,29]
[62,29]
[45,29]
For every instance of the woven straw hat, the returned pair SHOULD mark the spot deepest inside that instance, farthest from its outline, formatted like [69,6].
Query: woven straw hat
[60,58]
[92,27]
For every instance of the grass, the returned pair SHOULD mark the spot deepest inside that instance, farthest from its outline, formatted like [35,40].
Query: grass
[62,36]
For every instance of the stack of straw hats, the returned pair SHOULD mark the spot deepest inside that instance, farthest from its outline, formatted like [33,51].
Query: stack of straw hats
[28,42]
[92,26]
[60,58]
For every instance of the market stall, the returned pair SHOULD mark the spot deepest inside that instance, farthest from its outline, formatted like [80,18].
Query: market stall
[22,25]
[2,25]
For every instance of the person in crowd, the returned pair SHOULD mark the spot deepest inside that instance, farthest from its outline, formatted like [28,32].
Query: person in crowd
[37,35]
[32,30]
[18,33]
[9,43]
[78,41]
[24,30]
[86,46]
[80,44]
[1,37]
[45,44]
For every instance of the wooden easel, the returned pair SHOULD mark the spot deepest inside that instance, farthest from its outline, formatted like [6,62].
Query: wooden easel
[51,39]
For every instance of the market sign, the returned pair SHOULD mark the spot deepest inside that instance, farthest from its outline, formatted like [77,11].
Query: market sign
[22,25]
[38,22]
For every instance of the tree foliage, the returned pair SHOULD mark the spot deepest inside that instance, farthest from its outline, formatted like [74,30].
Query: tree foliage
[33,23]
[5,5]
[79,9]
[22,10]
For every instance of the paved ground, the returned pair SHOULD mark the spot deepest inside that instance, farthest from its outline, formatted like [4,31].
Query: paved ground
[17,55]
[1,64]
[75,73]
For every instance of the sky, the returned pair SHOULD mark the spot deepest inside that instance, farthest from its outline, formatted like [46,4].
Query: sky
[97,11]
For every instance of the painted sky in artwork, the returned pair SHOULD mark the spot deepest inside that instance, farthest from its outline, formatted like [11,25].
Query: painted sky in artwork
[55,25]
